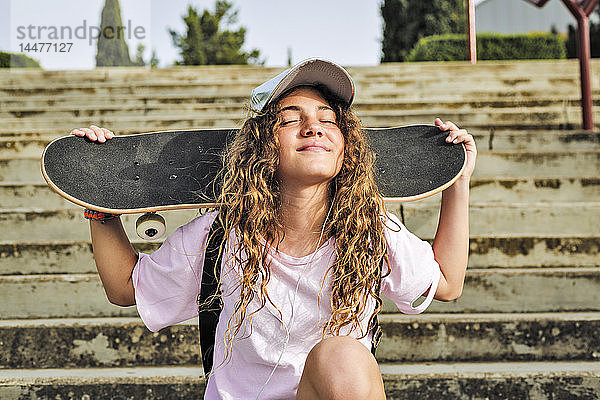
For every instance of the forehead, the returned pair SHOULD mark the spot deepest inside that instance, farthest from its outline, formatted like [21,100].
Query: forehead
[302,95]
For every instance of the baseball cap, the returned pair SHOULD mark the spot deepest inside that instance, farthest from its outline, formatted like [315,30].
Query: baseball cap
[312,72]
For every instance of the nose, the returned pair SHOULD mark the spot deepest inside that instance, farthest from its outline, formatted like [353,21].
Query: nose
[311,127]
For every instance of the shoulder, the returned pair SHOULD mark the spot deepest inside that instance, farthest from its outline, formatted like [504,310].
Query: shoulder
[398,237]
[392,225]
[200,224]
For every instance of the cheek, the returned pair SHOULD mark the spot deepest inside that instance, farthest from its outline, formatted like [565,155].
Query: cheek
[340,158]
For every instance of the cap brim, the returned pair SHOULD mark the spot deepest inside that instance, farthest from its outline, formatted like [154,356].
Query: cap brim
[312,72]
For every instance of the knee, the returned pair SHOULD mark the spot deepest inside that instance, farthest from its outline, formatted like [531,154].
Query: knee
[343,368]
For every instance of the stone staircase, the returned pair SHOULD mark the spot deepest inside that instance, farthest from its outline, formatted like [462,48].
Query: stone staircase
[526,327]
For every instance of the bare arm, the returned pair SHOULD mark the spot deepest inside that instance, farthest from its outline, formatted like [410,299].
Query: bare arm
[115,257]
[451,243]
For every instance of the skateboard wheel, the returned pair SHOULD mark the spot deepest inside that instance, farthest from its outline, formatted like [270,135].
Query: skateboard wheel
[150,226]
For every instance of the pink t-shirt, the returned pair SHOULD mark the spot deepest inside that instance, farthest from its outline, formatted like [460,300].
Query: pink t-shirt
[167,283]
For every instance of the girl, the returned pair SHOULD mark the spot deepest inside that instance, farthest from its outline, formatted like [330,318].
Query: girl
[307,250]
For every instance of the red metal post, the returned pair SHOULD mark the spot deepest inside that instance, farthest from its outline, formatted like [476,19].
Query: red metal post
[581,10]
[472,35]
[583,44]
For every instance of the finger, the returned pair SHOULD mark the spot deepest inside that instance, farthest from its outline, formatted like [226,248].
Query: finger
[107,133]
[450,125]
[89,133]
[77,132]
[99,133]
[438,122]
[457,136]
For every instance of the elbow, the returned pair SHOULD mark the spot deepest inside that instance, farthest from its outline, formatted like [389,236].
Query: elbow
[450,294]
[121,303]
[121,300]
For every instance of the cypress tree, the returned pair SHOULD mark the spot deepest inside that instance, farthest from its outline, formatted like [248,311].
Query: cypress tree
[112,48]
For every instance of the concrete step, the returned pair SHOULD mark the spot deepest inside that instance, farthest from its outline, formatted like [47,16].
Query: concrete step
[69,224]
[531,189]
[492,381]
[525,290]
[531,252]
[96,342]
[21,170]
[126,342]
[427,381]
[536,140]
[395,81]
[144,124]
[542,164]
[111,107]
[524,125]
[382,98]
[46,107]
[56,296]
[550,69]
[75,257]
[486,290]
[534,118]
[489,337]
[538,117]
[505,190]
[55,257]
[539,164]
[486,219]
[213,79]
[506,219]
[26,104]
[36,195]
[154,383]
[31,146]
[116,110]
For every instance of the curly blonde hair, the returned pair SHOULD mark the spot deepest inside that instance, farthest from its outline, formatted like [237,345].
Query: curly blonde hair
[249,203]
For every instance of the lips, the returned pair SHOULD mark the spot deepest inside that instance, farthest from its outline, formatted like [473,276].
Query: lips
[313,146]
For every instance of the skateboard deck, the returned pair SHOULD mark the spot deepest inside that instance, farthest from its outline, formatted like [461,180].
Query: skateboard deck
[176,169]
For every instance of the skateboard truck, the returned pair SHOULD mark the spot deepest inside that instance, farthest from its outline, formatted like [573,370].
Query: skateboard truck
[150,226]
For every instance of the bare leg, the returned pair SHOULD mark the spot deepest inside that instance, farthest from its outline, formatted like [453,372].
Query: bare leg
[340,367]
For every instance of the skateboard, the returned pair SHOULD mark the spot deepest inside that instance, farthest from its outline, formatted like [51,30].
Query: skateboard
[157,171]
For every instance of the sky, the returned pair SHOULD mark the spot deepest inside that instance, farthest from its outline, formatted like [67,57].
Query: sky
[348,32]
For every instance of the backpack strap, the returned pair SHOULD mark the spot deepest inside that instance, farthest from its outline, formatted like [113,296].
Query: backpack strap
[375,327]
[209,311]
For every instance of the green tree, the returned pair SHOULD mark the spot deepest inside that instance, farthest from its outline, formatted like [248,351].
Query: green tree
[210,40]
[11,60]
[407,21]
[139,57]
[594,37]
[112,48]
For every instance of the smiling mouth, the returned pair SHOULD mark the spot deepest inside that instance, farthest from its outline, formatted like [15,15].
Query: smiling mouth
[314,147]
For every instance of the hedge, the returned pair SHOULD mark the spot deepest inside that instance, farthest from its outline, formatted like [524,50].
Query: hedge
[10,60]
[490,46]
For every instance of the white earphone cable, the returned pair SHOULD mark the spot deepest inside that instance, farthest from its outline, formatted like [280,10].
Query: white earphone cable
[289,328]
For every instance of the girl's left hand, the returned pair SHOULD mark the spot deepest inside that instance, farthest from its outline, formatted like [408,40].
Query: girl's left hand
[456,135]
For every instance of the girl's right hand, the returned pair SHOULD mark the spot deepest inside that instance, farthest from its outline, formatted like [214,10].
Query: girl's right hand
[94,133]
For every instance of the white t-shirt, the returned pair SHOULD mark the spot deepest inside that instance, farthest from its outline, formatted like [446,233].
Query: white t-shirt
[167,283]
